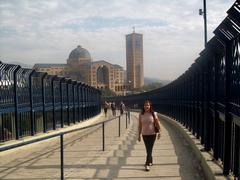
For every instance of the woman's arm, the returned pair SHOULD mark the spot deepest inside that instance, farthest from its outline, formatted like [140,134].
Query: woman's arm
[160,129]
[158,119]
[139,128]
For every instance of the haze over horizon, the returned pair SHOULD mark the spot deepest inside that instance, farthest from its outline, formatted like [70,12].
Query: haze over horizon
[43,31]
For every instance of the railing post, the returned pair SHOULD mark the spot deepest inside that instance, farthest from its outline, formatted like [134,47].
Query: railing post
[198,104]
[194,99]
[188,102]
[61,94]
[216,115]
[119,126]
[53,102]
[237,152]
[62,156]
[31,103]
[44,105]
[207,115]
[78,97]
[126,121]
[228,117]
[87,102]
[68,102]
[83,102]
[185,102]
[103,137]
[202,131]
[74,105]
[80,101]
[128,117]
[16,102]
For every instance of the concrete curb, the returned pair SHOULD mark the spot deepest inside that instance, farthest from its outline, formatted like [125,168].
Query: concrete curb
[210,168]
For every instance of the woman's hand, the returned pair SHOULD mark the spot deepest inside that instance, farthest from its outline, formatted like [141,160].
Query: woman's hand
[159,135]
[139,138]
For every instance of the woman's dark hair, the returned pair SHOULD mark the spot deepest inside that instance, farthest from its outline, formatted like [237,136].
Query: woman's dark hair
[151,110]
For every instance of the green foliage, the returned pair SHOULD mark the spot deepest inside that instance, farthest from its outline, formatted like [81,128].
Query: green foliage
[149,87]
[108,92]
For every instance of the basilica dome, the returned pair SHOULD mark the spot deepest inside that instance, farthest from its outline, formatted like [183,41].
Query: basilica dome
[79,54]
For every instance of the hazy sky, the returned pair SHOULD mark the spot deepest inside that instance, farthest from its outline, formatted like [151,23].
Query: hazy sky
[45,31]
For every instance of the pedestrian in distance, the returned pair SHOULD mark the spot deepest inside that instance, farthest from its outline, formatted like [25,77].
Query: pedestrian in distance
[148,130]
[122,108]
[105,108]
[113,107]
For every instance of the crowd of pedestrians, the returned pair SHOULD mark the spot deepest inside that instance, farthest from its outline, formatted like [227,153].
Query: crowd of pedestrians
[113,107]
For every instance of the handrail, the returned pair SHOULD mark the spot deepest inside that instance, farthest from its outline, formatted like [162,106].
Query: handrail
[61,134]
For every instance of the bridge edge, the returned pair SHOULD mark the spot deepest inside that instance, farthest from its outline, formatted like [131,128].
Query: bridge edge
[210,168]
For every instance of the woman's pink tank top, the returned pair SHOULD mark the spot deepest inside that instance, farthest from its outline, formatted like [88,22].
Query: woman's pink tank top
[147,123]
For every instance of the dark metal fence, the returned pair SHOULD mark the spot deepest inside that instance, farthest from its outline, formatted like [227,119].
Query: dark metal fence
[32,102]
[206,98]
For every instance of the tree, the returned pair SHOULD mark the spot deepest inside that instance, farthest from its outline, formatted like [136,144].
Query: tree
[108,92]
[149,87]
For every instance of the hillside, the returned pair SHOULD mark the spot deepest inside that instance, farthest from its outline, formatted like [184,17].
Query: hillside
[148,80]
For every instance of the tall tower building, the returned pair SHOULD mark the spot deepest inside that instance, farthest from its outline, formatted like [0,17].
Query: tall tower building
[134,59]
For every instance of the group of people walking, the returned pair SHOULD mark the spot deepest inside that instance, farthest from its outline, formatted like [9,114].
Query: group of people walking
[112,106]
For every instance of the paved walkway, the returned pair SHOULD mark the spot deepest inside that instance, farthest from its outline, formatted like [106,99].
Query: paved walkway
[123,157]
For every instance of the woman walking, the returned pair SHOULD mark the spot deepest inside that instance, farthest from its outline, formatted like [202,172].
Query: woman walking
[147,130]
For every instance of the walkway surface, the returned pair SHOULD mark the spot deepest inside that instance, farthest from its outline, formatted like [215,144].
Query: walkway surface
[123,157]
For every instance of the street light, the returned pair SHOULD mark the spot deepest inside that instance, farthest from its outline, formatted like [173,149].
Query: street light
[204,13]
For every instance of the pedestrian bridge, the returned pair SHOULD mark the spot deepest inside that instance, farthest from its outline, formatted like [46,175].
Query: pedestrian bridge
[203,104]
[123,156]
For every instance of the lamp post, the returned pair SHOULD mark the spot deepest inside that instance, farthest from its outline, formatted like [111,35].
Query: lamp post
[204,13]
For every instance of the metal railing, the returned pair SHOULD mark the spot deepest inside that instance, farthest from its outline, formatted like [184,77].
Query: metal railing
[32,102]
[61,136]
[206,98]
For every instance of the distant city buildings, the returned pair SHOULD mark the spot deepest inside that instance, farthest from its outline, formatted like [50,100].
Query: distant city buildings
[134,59]
[99,74]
